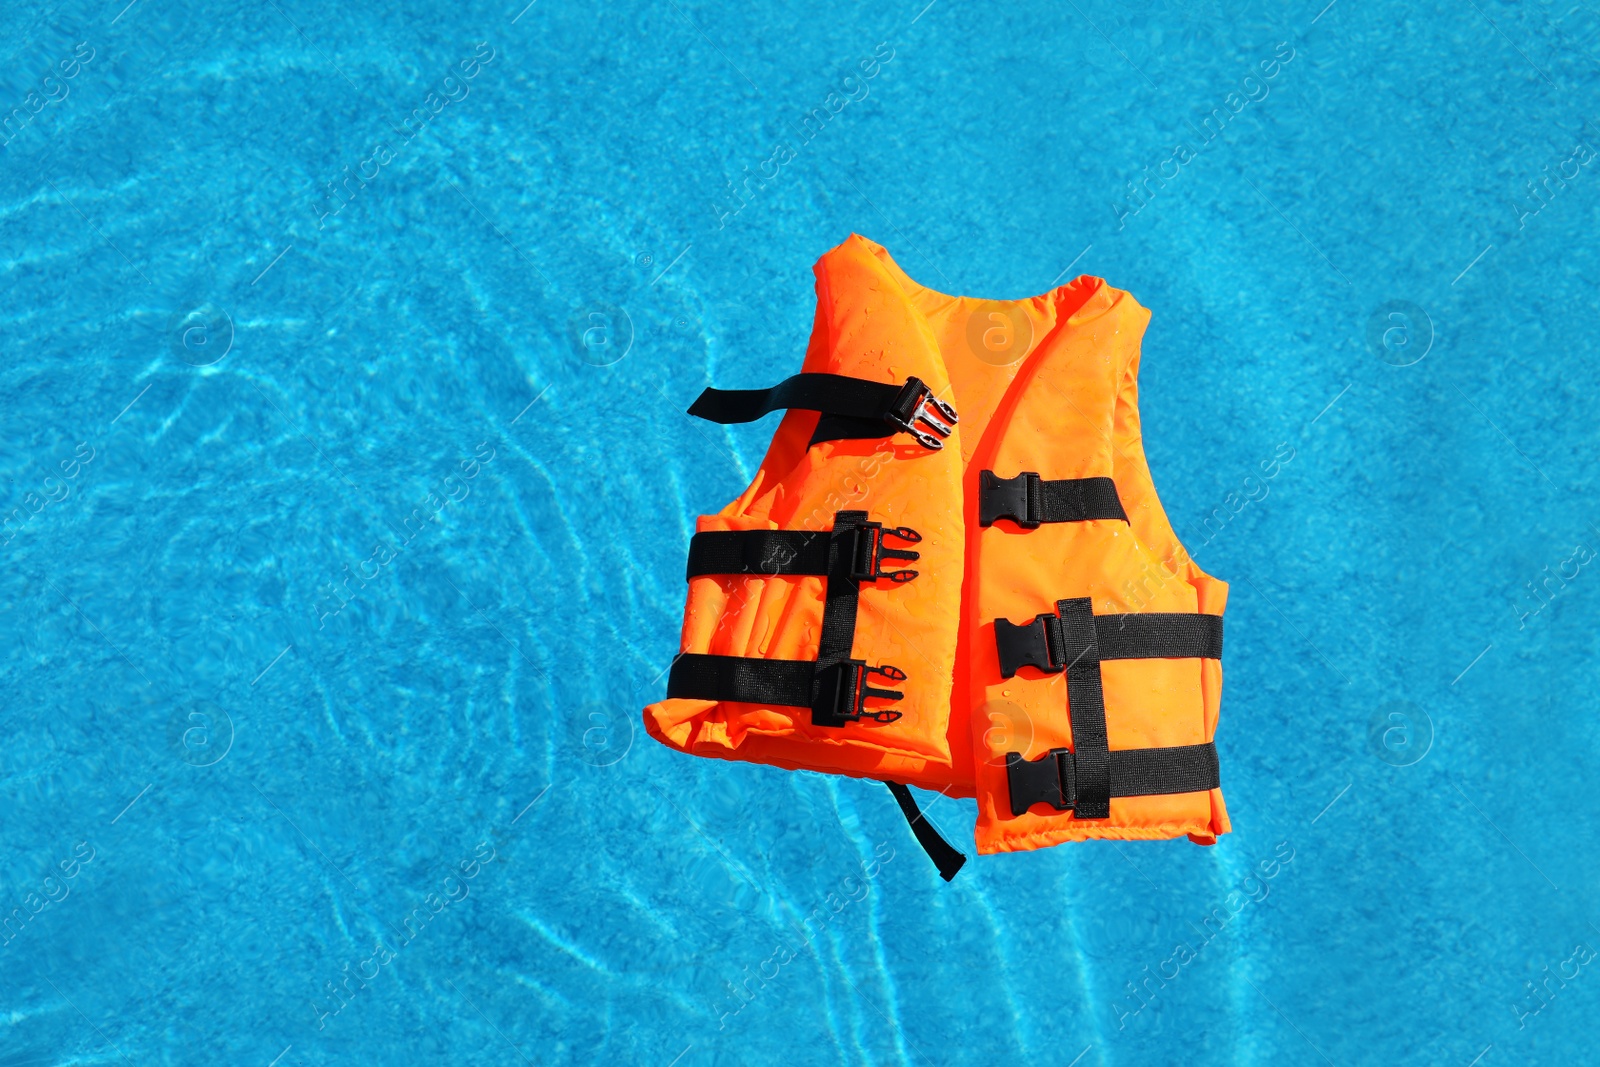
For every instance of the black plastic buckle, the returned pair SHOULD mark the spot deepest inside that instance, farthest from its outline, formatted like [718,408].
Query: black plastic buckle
[869,552]
[1051,779]
[1034,644]
[1065,640]
[1018,499]
[916,403]
[841,694]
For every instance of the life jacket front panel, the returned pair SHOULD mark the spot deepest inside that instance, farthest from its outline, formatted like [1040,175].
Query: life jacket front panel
[863,330]
[1077,418]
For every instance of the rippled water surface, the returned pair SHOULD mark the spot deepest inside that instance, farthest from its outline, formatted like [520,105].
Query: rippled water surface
[349,487]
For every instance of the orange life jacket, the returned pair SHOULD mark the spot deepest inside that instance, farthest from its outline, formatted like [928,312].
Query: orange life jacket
[991,604]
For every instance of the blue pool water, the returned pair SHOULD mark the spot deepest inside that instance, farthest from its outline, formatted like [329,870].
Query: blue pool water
[229,387]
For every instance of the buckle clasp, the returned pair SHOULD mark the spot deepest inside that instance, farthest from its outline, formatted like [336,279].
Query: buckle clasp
[1033,644]
[842,693]
[1017,499]
[1063,640]
[917,404]
[866,562]
[893,674]
[1051,779]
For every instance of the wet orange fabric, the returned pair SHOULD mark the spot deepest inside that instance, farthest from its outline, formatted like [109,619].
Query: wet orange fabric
[1047,384]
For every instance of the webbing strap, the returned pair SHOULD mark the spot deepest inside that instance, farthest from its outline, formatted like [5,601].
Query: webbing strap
[843,593]
[860,549]
[834,394]
[1029,500]
[841,687]
[1056,778]
[1159,635]
[944,856]
[1086,706]
[742,678]
[1134,635]
[836,694]
[851,407]
[763,552]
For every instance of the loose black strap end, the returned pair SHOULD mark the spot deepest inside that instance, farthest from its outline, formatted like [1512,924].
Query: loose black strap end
[850,407]
[941,852]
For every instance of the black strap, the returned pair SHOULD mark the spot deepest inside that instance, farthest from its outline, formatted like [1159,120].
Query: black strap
[1029,500]
[843,593]
[944,855]
[1133,635]
[836,695]
[1056,778]
[1086,706]
[851,407]
[841,598]
[742,678]
[764,552]
[771,553]
[835,394]
[1159,635]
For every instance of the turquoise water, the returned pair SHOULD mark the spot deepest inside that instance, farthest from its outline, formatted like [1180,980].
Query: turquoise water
[349,489]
